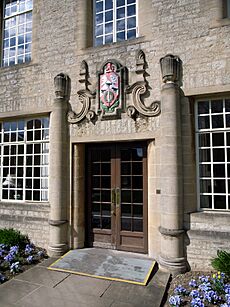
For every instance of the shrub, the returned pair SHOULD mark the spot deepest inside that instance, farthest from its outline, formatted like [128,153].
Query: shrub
[222,262]
[12,237]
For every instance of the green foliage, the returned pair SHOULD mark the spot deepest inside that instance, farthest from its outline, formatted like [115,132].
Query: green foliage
[222,262]
[11,237]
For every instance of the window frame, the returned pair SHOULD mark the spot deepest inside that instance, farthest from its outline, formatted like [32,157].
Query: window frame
[26,56]
[212,146]
[226,8]
[114,20]
[34,148]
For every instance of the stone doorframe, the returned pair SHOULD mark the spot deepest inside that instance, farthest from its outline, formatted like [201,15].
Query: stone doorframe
[77,210]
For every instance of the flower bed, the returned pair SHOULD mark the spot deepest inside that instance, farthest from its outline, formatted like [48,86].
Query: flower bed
[203,291]
[15,259]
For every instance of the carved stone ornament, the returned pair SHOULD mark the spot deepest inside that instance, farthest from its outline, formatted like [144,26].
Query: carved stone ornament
[171,68]
[84,97]
[62,86]
[138,90]
[111,81]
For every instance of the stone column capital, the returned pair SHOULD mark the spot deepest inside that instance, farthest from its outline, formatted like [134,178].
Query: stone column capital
[62,85]
[171,69]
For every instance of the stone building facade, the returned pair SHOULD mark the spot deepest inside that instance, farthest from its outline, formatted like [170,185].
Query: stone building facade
[121,144]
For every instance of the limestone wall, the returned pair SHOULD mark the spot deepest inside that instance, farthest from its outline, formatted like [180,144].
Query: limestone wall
[62,39]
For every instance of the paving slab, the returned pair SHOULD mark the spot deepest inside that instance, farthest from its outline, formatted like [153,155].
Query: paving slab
[47,262]
[83,285]
[42,276]
[52,297]
[14,290]
[150,295]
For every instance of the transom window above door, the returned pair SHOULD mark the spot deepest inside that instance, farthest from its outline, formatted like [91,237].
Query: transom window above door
[114,21]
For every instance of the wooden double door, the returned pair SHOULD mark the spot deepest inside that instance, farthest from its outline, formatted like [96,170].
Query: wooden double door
[117,196]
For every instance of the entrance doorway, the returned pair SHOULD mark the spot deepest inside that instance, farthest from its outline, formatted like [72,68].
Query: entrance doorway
[117,196]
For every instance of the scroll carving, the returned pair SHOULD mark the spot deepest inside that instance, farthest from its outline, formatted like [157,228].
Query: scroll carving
[85,97]
[138,90]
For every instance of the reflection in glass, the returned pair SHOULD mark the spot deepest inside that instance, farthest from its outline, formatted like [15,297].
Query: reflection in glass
[125,196]
[206,201]
[204,140]
[137,225]
[219,170]
[217,106]
[218,155]
[219,202]
[106,222]
[137,196]
[106,209]
[126,210]
[217,121]
[137,211]
[126,224]
[203,122]
[217,139]
[203,107]
[219,186]
[205,186]
[96,222]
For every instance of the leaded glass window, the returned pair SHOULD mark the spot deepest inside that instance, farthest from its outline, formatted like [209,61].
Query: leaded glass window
[213,153]
[25,159]
[17,31]
[114,21]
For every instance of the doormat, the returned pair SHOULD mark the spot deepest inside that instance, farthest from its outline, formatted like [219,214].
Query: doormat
[106,264]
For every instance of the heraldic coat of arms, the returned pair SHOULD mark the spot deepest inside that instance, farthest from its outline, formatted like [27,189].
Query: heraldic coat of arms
[109,88]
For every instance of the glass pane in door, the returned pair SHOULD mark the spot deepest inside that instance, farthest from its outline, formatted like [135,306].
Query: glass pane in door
[101,188]
[131,165]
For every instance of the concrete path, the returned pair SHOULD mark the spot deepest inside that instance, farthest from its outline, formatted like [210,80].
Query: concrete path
[40,287]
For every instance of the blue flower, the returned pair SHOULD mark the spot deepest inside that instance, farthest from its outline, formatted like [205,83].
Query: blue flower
[205,286]
[30,259]
[14,267]
[29,248]
[227,297]
[227,288]
[197,302]
[14,249]
[9,258]
[204,279]
[195,293]
[41,253]
[193,283]
[180,290]
[175,300]
[211,296]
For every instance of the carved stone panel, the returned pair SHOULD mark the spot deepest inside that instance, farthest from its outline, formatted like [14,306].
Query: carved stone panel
[111,84]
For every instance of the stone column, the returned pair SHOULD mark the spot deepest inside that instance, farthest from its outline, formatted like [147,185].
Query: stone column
[84,24]
[172,255]
[59,168]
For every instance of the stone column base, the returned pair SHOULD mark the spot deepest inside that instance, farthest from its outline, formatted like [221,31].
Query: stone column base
[57,250]
[174,265]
